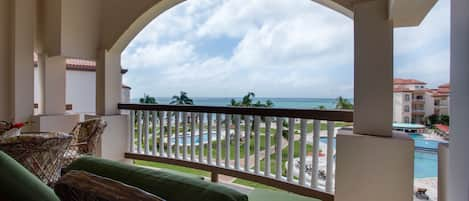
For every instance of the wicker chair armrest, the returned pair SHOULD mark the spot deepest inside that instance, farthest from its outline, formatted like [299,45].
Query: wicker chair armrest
[83,186]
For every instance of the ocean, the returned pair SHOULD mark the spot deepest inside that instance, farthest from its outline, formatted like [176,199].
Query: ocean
[298,103]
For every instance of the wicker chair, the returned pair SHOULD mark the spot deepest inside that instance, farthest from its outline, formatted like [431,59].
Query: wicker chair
[40,153]
[85,139]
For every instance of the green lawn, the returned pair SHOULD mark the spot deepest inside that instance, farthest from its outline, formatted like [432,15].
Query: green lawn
[173,167]
[309,149]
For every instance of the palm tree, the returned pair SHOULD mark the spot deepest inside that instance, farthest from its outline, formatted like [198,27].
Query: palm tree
[147,99]
[234,103]
[343,103]
[182,99]
[321,107]
[247,99]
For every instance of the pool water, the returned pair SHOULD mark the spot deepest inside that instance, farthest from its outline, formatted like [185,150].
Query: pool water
[421,142]
[196,139]
[425,162]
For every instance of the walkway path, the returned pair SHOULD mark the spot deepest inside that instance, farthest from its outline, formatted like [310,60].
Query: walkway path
[225,178]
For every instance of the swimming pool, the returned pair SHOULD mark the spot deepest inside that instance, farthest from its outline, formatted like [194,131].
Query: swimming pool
[196,139]
[425,162]
[421,142]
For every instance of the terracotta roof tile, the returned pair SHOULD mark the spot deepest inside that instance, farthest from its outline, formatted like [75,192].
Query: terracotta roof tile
[400,81]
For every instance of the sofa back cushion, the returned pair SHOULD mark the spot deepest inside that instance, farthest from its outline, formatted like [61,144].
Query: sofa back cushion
[84,186]
[18,184]
[167,185]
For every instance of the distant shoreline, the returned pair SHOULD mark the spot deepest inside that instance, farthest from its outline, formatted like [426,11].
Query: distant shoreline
[298,103]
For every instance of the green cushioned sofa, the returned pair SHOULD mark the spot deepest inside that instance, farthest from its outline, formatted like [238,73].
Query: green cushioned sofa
[17,184]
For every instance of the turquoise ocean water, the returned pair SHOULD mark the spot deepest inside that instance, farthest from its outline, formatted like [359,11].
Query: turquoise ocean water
[299,103]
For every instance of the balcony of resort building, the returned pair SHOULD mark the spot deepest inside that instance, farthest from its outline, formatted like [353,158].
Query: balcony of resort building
[298,151]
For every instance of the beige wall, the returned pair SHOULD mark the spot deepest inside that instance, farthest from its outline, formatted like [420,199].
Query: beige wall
[373,74]
[80,28]
[22,73]
[4,60]
[459,127]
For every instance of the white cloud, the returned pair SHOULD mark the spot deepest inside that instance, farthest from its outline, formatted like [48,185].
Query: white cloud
[431,68]
[283,49]
[159,56]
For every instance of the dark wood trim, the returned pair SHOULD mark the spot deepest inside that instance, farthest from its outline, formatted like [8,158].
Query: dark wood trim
[290,187]
[329,115]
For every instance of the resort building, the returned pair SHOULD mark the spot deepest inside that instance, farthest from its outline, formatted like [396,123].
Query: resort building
[441,99]
[366,162]
[413,101]
[80,87]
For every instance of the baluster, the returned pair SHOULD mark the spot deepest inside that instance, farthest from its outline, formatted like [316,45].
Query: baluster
[267,147]
[139,123]
[278,148]
[247,143]
[161,133]
[257,166]
[237,131]
[330,154]
[291,148]
[169,148]
[176,134]
[209,138]
[184,136]
[153,118]
[146,117]
[302,151]
[316,137]
[192,136]
[227,140]
[201,137]
[132,131]
[218,125]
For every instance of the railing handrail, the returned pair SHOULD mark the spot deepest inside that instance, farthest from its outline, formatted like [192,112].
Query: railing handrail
[329,115]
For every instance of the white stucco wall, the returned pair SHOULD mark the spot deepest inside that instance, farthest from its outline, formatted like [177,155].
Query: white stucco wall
[81,91]
[429,104]
[399,104]
[398,107]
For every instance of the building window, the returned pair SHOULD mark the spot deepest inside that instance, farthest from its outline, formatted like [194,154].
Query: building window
[406,120]
[407,97]
[406,108]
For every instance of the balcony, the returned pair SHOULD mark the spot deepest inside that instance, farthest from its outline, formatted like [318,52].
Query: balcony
[178,135]
[373,162]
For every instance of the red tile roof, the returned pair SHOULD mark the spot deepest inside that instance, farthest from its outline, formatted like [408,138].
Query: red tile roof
[401,89]
[442,91]
[442,127]
[400,81]
[79,65]
[447,85]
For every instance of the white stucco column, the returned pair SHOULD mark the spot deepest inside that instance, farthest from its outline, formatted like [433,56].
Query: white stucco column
[114,141]
[54,86]
[21,63]
[108,82]
[373,162]
[458,185]
[373,78]
[52,96]
[41,76]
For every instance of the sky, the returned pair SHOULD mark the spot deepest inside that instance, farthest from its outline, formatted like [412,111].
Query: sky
[275,48]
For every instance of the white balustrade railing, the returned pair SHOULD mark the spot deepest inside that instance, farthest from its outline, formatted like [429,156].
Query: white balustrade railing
[281,145]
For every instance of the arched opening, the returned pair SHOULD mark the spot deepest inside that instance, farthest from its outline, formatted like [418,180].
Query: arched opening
[284,51]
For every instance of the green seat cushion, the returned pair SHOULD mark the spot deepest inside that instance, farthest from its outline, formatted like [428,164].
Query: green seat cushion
[18,184]
[270,195]
[167,185]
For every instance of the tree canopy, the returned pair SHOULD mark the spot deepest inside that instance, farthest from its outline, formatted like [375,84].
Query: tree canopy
[147,99]
[182,99]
